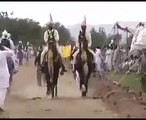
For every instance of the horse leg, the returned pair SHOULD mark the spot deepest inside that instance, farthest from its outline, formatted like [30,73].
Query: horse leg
[86,82]
[56,75]
[52,89]
[48,83]
[81,75]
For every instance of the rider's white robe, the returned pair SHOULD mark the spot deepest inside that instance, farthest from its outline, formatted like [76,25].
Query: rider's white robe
[56,36]
[88,37]
[108,59]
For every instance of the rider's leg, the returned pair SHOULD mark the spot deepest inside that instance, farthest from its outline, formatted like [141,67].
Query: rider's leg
[43,54]
[74,58]
[60,57]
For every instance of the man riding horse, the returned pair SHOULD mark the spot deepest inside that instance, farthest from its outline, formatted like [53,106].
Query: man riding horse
[20,52]
[83,55]
[53,33]
[51,60]
[87,36]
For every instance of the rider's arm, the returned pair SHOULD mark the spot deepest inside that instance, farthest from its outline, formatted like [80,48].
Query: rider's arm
[7,52]
[12,45]
[43,54]
[45,36]
[77,43]
[56,35]
[89,39]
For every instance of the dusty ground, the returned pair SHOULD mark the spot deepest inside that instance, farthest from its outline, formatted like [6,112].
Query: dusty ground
[122,100]
[19,103]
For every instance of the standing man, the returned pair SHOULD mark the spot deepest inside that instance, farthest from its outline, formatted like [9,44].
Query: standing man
[4,74]
[37,63]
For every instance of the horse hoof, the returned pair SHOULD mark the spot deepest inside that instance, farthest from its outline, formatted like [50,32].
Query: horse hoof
[83,94]
[83,88]
[47,93]
[61,73]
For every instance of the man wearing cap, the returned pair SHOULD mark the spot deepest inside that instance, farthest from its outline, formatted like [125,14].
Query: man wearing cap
[5,41]
[88,38]
[20,52]
[52,32]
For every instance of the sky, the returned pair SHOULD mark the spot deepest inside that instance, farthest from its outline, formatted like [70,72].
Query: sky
[70,13]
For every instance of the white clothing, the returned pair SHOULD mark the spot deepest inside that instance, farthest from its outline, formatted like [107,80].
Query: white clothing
[98,60]
[12,47]
[108,59]
[76,53]
[4,72]
[3,92]
[56,35]
[88,38]
[45,51]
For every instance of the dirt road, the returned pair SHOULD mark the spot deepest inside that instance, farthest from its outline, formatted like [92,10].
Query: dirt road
[19,103]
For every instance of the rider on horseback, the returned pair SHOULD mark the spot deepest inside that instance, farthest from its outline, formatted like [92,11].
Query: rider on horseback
[20,46]
[83,33]
[27,46]
[6,40]
[52,33]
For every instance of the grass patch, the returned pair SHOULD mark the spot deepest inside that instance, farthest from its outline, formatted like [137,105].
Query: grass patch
[131,80]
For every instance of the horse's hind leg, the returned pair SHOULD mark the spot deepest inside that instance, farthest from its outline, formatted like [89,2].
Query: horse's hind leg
[47,76]
[56,71]
[56,92]
[52,90]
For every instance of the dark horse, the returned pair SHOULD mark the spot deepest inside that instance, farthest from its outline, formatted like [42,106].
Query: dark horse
[51,68]
[80,63]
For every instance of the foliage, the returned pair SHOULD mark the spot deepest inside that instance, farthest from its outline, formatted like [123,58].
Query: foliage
[98,38]
[29,30]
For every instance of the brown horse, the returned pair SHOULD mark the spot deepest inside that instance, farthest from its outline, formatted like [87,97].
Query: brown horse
[84,56]
[51,69]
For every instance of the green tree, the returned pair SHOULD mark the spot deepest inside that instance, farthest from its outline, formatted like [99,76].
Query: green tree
[98,38]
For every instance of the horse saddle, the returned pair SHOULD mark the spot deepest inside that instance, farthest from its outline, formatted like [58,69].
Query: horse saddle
[50,57]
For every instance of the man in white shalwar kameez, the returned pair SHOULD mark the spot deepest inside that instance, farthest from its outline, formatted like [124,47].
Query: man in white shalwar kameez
[98,60]
[108,59]
[117,59]
[4,74]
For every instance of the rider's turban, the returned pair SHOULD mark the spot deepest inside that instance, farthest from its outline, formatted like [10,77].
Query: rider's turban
[4,32]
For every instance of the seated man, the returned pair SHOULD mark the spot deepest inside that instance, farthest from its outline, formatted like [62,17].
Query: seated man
[88,38]
[52,33]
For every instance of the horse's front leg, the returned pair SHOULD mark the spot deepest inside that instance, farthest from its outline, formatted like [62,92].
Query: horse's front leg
[56,75]
[47,76]
[86,80]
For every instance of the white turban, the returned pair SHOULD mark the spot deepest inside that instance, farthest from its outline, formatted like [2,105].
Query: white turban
[4,32]
[20,41]
[50,22]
